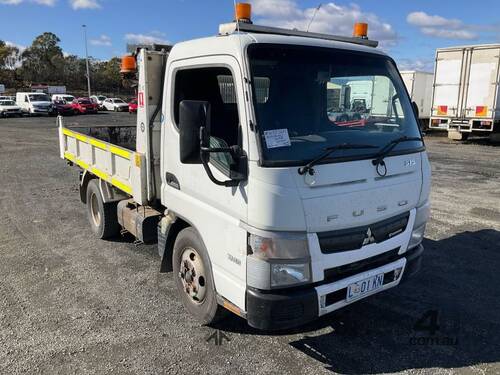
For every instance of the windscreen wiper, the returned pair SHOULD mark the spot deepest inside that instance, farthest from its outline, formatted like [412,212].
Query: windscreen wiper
[308,168]
[379,158]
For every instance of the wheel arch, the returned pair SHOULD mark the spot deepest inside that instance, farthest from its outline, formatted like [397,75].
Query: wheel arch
[166,240]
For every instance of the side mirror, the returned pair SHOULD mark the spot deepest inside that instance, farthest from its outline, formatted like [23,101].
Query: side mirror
[193,116]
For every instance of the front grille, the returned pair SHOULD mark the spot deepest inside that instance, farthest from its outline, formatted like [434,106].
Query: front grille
[341,272]
[354,238]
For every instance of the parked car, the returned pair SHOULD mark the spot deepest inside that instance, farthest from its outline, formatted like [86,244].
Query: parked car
[66,97]
[115,104]
[83,105]
[9,108]
[34,103]
[132,106]
[98,99]
[62,107]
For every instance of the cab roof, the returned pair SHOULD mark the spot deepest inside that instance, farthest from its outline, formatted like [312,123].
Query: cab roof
[232,44]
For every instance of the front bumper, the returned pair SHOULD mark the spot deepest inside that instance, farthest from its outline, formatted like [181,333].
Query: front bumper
[275,310]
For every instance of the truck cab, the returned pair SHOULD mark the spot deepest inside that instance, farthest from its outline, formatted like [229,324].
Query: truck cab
[267,206]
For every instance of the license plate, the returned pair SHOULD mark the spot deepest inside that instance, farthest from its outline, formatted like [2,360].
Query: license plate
[363,287]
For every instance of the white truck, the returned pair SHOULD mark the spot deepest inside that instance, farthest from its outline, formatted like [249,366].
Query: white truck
[259,203]
[419,85]
[466,96]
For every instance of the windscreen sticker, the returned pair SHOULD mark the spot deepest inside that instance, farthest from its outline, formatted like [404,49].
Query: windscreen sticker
[277,138]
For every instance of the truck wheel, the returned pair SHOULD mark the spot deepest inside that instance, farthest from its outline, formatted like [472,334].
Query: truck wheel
[193,277]
[102,216]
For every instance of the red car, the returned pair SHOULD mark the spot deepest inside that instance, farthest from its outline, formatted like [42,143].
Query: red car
[132,106]
[83,105]
[61,107]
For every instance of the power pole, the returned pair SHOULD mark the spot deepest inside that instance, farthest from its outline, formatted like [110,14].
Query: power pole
[87,57]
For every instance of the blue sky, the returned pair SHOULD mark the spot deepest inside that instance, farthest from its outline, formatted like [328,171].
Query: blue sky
[410,31]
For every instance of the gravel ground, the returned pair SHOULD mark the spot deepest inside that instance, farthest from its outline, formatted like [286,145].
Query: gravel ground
[72,304]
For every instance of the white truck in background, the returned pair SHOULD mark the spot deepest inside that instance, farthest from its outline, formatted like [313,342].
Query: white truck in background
[259,202]
[466,96]
[34,103]
[351,102]
[419,85]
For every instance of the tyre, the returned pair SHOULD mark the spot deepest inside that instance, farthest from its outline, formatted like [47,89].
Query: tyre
[193,278]
[102,216]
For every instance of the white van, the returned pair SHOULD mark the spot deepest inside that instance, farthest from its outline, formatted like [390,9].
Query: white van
[65,97]
[32,103]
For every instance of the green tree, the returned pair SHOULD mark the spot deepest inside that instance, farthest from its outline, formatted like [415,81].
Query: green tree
[9,61]
[43,61]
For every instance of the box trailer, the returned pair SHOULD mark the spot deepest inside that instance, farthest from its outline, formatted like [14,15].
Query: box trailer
[259,202]
[419,86]
[466,91]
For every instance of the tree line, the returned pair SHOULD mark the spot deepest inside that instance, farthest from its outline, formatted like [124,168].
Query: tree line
[44,62]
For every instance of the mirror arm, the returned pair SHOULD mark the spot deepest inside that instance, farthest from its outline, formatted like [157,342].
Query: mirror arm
[227,183]
[203,152]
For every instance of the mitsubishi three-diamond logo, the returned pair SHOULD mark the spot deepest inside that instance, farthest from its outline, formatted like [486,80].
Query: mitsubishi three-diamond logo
[369,238]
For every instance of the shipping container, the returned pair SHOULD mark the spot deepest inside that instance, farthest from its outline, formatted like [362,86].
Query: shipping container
[419,86]
[466,91]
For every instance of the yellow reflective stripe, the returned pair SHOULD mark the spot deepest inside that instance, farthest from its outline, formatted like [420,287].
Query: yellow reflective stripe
[102,145]
[82,164]
[100,173]
[69,156]
[120,185]
[103,175]
[120,152]
[98,144]
[78,136]
[68,132]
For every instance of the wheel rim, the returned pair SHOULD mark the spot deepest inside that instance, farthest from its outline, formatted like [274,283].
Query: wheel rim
[94,210]
[192,275]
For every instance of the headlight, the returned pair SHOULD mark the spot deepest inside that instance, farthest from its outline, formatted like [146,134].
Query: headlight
[279,246]
[278,260]
[289,274]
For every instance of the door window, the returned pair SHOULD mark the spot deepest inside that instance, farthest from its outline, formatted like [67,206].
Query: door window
[216,86]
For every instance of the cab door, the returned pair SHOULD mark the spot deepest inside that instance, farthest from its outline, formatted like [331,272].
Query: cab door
[216,212]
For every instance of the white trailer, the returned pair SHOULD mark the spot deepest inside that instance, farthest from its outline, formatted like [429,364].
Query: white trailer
[466,96]
[419,85]
[226,170]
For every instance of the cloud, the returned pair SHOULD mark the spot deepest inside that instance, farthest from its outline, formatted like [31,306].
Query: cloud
[330,18]
[102,41]
[20,47]
[441,27]
[153,37]
[84,4]
[425,65]
[449,34]
[425,20]
[39,2]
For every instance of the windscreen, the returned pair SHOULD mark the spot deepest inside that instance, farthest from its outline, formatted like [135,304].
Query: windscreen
[39,98]
[7,102]
[317,98]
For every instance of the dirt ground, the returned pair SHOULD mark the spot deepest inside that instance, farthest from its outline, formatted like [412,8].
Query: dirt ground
[70,303]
